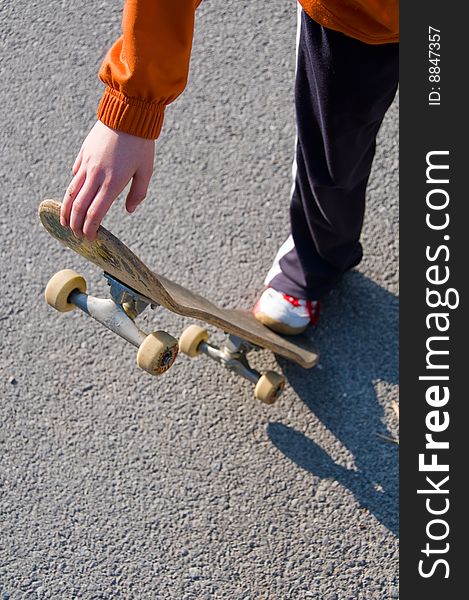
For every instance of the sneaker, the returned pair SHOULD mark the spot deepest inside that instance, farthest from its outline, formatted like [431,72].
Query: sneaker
[285,314]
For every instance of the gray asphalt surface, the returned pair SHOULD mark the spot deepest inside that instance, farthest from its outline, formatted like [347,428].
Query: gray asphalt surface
[114,484]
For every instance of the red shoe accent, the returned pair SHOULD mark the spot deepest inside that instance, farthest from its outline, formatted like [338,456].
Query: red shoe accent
[293,301]
[313,308]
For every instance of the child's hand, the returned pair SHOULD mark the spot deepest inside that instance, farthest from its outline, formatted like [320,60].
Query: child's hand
[107,161]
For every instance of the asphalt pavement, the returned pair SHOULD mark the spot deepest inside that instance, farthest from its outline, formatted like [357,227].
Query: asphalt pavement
[114,484]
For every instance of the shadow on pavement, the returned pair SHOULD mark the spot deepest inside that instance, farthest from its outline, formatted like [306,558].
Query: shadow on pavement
[358,342]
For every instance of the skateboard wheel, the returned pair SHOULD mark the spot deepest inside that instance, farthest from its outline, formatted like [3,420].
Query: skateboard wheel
[157,352]
[59,288]
[269,387]
[191,338]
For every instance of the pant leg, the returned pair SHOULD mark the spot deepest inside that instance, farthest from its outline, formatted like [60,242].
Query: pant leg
[343,89]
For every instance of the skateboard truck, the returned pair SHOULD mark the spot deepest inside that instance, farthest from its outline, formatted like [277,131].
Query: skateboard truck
[131,301]
[156,351]
[233,356]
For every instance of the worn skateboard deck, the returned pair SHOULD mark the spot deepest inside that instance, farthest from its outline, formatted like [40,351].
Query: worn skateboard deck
[111,255]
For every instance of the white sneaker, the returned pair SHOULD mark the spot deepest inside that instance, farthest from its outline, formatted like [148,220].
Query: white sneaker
[285,314]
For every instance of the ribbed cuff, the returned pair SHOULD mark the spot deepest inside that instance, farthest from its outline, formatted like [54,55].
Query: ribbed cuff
[143,119]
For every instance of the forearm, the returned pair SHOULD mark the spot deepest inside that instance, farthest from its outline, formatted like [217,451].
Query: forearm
[147,67]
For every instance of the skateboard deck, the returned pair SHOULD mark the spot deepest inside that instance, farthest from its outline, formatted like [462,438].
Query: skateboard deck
[112,256]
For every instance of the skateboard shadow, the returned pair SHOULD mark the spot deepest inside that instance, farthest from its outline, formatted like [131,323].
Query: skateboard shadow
[358,342]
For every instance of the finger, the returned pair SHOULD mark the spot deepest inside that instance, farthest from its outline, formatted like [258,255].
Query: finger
[77,163]
[138,190]
[71,193]
[96,212]
[81,205]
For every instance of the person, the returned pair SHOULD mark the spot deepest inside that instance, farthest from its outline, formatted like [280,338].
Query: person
[346,79]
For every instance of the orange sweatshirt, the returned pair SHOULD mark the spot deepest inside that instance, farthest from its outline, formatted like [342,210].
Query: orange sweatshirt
[147,67]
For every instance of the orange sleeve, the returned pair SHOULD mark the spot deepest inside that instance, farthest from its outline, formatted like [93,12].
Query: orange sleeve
[370,21]
[147,67]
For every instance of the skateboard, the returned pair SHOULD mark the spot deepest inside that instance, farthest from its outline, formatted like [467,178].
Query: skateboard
[134,287]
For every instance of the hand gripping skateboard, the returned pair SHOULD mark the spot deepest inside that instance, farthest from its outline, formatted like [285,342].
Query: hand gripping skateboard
[133,287]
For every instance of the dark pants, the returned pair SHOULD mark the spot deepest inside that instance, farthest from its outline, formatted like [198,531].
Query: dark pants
[342,91]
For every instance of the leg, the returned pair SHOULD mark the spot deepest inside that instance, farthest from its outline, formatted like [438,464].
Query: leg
[342,91]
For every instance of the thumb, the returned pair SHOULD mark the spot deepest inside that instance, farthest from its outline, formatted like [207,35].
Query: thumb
[138,191]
